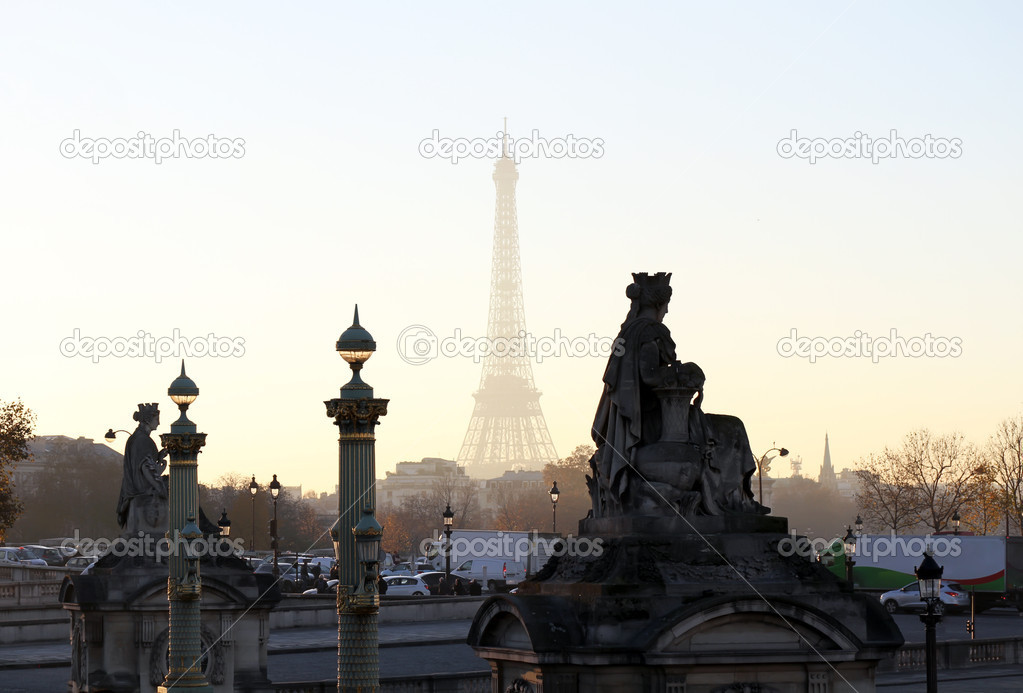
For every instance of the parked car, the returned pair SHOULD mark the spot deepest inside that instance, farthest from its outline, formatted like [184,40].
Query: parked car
[432,580]
[953,596]
[406,569]
[10,555]
[286,570]
[406,586]
[80,561]
[50,554]
[331,587]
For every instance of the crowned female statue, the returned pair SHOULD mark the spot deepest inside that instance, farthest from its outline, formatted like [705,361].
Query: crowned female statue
[657,451]
[142,504]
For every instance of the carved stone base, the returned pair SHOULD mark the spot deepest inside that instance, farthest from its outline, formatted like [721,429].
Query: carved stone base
[660,609]
[119,626]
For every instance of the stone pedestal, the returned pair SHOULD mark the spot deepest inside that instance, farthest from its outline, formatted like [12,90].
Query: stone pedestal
[119,625]
[698,605]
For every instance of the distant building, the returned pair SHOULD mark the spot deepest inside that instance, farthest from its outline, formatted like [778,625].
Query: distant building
[415,478]
[510,483]
[848,484]
[51,453]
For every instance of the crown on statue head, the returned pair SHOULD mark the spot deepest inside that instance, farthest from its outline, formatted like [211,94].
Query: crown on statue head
[645,280]
[146,411]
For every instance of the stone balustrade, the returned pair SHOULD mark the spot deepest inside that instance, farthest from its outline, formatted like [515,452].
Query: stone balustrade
[956,654]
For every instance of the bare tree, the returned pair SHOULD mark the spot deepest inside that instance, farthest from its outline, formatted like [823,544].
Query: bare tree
[886,496]
[461,493]
[520,510]
[1005,457]
[944,472]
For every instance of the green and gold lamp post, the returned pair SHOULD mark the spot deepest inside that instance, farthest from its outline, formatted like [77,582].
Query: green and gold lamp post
[184,588]
[356,534]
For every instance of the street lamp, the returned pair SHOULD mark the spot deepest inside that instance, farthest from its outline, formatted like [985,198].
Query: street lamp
[859,525]
[554,493]
[955,522]
[184,586]
[928,577]
[449,520]
[365,599]
[225,524]
[850,551]
[111,434]
[763,465]
[356,413]
[275,490]
[253,490]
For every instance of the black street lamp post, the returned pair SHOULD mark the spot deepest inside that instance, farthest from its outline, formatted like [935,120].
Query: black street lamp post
[955,522]
[275,490]
[928,576]
[763,465]
[449,519]
[225,524]
[554,493]
[850,550]
[253,490]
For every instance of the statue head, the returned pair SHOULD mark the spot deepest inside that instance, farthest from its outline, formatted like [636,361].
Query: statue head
[649,291]
[148,414]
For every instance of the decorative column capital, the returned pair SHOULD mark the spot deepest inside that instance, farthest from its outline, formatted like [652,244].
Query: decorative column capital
[356,418]
[183,445]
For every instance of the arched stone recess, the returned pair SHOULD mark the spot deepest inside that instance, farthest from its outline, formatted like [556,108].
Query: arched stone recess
[751,628]
[500,625]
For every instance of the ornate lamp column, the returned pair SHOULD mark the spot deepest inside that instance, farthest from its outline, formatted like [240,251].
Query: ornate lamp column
[449,520]
[184,590]
[356,414]
[928,576]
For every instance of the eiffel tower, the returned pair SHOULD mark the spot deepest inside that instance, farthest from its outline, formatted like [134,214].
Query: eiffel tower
[507,429]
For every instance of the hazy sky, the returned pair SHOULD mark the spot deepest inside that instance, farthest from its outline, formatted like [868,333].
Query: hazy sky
[331,204]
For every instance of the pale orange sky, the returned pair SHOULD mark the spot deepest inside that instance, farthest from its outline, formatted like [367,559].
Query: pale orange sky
[332,205]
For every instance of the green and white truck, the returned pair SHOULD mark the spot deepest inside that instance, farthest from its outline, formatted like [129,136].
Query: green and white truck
[991,567]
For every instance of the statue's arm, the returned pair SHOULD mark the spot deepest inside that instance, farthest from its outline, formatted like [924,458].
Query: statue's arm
[652,369]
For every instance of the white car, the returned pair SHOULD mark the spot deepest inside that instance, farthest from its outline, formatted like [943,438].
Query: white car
[953,597]
[16,556]
[406,586]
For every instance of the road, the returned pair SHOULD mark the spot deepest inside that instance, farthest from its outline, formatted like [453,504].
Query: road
[308,654]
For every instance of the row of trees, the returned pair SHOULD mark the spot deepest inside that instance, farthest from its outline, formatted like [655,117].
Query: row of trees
[923,483]
[298,525]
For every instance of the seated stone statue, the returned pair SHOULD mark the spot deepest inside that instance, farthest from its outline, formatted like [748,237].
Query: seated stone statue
[142,505]
[657,451]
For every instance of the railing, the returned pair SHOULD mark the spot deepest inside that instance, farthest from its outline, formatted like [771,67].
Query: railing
[956,654]
[21,573]
[13,594]
[469,682]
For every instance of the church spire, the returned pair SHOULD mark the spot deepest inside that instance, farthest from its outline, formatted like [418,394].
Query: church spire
[827,477]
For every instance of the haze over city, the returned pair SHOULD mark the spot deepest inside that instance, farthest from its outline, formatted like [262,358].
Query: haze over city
[332,203]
